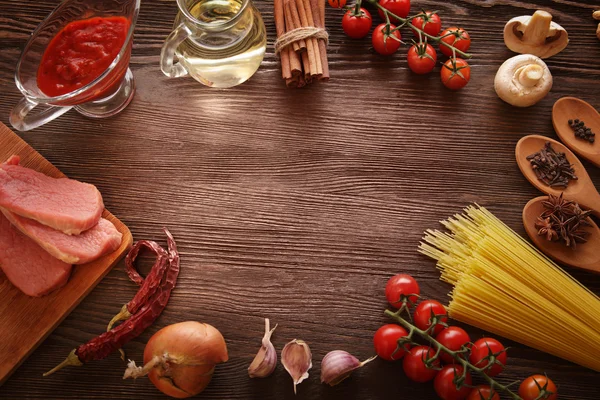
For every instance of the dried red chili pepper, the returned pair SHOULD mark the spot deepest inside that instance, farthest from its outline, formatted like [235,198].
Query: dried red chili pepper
[108,342]
[148,285]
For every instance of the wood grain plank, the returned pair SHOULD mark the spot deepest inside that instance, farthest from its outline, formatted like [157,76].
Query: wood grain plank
[299,204]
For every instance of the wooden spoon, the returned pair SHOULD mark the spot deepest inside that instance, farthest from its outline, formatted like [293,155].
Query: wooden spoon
[567,108]
[585,256]
[581,190]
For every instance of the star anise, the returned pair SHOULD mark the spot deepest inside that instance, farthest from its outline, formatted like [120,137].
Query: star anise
[563,220]
[545,228]
[557,205]
[581,216]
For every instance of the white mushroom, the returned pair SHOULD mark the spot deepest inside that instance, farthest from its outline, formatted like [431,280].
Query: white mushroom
[523,80]
[536,35]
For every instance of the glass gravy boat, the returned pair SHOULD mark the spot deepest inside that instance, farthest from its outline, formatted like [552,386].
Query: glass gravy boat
[103,97]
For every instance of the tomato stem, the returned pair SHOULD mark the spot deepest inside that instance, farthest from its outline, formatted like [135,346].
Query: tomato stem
[467,366]
[406,21]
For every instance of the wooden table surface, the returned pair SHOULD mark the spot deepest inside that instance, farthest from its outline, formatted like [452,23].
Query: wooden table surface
[298,205]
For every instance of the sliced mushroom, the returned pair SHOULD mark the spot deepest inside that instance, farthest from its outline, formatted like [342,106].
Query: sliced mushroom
[523,80]
[536,35]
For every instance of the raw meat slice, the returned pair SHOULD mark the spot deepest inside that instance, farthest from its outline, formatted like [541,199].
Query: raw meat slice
[64,204]
[26,265]
[101,239]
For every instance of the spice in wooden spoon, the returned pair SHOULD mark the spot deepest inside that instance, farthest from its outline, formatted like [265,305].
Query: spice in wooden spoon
[581,190]
[585,257]
[572,108]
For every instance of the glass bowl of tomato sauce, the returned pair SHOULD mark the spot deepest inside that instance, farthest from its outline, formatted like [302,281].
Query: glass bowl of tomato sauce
[78,57]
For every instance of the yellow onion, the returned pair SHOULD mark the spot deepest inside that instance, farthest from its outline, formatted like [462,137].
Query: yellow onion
[180,359]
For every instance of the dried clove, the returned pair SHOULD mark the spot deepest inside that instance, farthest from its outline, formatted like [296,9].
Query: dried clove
[552,167]
[265,361]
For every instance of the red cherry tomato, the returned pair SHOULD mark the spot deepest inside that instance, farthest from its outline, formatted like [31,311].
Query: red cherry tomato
[445,385]
[421,58]
[536,385]
[357,26]
[483,392]
[337,3]
[386,342]
[425,310]
[430,23]
[456,37]
[454,338]
[383,39]
[400,8]
[399,286]
[488,347]
[455,74]
[414,366]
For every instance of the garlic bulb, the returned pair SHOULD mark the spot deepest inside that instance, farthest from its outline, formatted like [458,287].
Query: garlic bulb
[337,365]
[265,361]
[297,360]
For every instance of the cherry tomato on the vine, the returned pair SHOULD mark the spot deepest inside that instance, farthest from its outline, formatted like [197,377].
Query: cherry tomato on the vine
[357,26]
[454,338]
[386,342]
[445,385]
[430,23]
[486,348]
[383,39]
[483,392]
[424,312]
[455,73]
[414,366]
[400,8]
[402,286]
[421,58]
[456,37]
[337,3]
[532,387]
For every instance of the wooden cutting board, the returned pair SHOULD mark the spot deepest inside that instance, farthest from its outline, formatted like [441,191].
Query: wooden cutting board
[26,321]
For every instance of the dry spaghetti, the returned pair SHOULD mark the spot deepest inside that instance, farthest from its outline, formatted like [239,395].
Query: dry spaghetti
[506,286]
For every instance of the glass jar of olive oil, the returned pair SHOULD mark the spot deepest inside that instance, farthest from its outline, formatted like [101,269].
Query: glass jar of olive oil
[220,43]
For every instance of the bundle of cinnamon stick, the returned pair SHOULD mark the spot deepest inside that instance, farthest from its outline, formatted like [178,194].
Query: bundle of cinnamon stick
[305,60]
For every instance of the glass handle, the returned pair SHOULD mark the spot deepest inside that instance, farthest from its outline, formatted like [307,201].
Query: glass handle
[22,121]
[167,53]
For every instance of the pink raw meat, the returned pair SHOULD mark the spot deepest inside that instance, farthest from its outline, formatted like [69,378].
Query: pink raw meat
[101,239]
[64,204]
[26,265]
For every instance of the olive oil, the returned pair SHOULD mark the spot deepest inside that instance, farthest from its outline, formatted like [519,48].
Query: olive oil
[227,43]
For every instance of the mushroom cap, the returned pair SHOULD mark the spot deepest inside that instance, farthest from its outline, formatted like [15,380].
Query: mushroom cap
[535,34]
[523,80]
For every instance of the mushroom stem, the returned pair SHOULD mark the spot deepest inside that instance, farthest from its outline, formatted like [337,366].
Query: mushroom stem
[538,27]
[529,75]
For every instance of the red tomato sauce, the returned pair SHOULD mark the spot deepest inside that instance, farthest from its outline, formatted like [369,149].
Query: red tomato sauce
[79,53]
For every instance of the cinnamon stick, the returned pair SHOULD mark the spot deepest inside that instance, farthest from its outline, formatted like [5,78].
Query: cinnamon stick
[295,65]
[284,55]
[292,21]
[318,9]
[292,82]
[305,63]
[310,43]
[311,22]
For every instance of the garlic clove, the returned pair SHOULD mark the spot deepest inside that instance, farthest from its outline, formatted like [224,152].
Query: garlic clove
[337,365]
[297,360]
[265,361]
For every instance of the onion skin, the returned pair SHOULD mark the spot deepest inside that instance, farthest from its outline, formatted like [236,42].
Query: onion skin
[193,350]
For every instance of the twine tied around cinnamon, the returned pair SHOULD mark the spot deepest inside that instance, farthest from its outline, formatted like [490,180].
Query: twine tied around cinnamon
[299,34]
